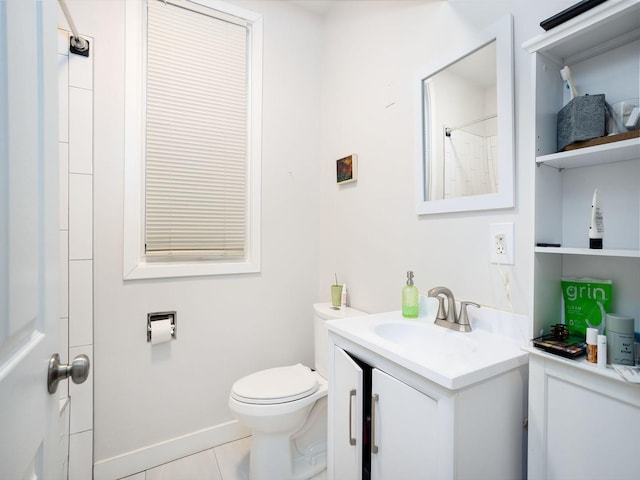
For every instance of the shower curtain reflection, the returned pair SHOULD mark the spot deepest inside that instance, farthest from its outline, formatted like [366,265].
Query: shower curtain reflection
[471,159]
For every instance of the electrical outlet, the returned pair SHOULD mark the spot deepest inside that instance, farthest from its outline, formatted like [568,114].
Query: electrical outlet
[498,245]
[501,243]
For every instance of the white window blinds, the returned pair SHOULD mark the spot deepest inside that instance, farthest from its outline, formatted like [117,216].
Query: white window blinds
[196,133]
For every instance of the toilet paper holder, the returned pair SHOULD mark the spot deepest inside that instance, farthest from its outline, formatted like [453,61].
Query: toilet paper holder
[156,316]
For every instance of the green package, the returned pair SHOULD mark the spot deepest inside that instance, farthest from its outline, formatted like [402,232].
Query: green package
[586,303]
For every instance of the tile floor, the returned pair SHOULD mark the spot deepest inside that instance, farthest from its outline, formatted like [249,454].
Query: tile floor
[225,462]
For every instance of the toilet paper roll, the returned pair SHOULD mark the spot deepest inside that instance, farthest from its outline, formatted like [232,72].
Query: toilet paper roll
[160,331]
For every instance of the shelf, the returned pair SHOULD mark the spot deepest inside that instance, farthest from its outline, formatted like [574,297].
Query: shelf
[596,155]
[580,364]
[596,31]
[605,252]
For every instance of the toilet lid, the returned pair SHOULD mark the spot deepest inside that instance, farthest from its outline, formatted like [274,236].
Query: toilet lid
[275,385]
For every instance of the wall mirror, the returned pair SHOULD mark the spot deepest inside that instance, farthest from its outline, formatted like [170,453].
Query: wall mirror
[465,155]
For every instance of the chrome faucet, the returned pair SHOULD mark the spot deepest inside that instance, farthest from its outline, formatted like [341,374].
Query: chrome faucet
[448,317]
[449,314]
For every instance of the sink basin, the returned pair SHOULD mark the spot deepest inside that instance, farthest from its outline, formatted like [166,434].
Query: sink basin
[422,337]
[450,358]
[441,348]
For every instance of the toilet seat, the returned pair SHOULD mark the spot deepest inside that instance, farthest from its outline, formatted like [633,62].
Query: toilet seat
[276,385]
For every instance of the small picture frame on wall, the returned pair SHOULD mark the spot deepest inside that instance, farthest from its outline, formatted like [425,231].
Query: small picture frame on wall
[347,169]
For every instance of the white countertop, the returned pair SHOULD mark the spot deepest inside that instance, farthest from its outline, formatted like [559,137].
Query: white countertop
[449,358]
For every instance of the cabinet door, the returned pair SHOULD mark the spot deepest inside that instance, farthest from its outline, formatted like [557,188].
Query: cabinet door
[581,424]
[347,417]
[403,431]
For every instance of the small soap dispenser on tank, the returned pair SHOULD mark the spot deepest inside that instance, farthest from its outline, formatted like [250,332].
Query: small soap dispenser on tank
[410,298]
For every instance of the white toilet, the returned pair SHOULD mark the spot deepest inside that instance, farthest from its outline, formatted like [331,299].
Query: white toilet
[286,409]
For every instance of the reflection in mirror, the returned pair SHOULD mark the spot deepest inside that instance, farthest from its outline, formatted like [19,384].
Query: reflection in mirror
[462,151]
[466,127]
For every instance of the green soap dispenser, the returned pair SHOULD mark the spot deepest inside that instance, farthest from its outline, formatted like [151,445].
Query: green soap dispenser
[410,298]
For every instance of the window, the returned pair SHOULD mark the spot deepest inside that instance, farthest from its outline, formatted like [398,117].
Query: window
[192,166]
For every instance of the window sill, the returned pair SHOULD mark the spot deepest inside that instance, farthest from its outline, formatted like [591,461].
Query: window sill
[149,270]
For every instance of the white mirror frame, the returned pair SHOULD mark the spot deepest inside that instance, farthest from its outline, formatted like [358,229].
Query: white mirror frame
[502,33]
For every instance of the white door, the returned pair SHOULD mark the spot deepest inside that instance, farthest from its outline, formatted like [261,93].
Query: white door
[404,431]
[28,238]
[346,422]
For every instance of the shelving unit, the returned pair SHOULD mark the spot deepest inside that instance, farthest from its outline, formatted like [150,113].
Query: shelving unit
[601,47]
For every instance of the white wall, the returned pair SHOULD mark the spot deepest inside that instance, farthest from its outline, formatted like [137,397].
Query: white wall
[370,232]
[326,87]
[228,326]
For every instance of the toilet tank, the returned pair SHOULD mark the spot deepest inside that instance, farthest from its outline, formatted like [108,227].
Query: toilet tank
[321,313]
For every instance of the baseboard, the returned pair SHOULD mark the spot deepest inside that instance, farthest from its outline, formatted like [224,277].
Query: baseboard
[153,455]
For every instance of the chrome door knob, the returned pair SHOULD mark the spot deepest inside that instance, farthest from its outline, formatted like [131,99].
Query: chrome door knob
[78,371]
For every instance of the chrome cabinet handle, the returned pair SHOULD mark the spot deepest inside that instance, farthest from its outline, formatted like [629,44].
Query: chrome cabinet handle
[374,402]
[78,371]
[352,396]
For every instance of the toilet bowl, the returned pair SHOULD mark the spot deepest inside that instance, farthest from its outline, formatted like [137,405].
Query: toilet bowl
[286,410]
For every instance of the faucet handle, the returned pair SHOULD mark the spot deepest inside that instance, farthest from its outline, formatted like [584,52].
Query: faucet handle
[464,317]
[442,314]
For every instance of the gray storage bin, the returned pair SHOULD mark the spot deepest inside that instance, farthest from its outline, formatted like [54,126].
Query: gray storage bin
[583,118]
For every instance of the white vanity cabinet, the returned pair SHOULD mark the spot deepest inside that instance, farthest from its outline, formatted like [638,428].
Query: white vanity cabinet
[583,422]
[397,415]
[386,422]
